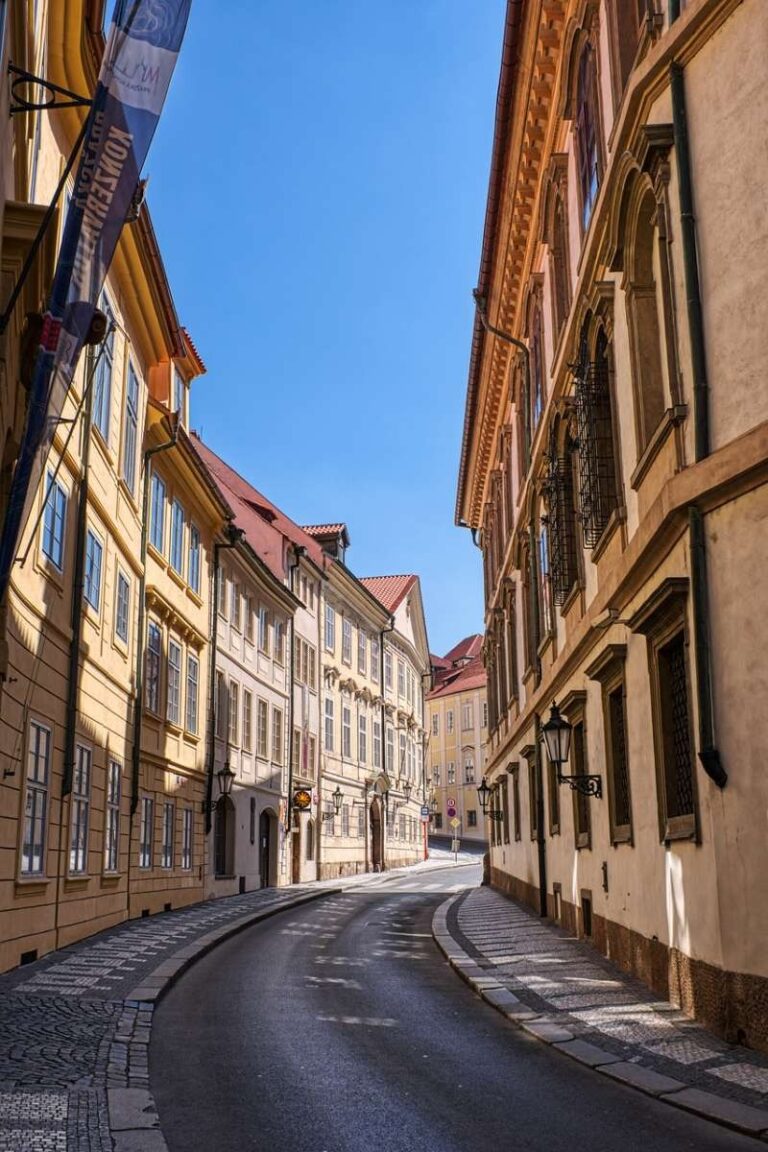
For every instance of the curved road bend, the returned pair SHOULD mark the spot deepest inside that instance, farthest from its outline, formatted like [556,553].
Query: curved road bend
[340,1028]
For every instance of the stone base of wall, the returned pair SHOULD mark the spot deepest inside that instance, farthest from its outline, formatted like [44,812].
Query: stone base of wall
[341,868]
[732,1004]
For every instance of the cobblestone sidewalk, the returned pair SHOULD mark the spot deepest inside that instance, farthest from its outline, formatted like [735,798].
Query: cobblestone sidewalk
[559,990]
[75,1026]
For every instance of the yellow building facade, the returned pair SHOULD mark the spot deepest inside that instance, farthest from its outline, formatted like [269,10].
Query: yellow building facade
[614,460]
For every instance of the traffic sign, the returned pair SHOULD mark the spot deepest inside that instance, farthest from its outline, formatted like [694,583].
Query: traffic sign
[451,801]
[455,823]
[451,810]
[425,811]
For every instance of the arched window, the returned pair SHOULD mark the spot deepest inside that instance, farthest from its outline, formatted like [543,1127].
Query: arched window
[643,320]
[587,134]
[544,589]
[560,266]
[560,496]
[537,368]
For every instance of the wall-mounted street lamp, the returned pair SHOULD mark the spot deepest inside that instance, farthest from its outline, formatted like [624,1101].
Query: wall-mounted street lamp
[484,794]
[557,738]
[226,779]
[337,796]
[407,789]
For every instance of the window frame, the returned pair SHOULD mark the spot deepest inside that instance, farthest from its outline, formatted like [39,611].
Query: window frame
[80,811]
[130,438]
[58,515]
[94,560]
[112,800]
[192,694]
[39,788]
[158,498]
[176,539]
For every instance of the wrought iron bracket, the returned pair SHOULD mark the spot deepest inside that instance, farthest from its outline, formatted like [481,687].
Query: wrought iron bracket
[19,103]
[585,784]
[497,816]
[208,807]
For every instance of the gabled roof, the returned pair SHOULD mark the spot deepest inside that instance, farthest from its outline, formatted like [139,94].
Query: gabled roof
[389,590]
[463,679]
[466,649]
[265,526]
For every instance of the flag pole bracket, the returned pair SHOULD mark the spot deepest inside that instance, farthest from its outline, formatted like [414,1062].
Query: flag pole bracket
[48,92]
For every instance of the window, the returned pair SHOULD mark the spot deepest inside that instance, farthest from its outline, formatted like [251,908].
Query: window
[310,852]
[154,649]
[179,392]
[221,716]
[362,738]
[36,800]
[643,322]
[345,819]
[130,428]
[436,725]
[346,641]
[177,537]
[400,680]
[533,792]
[388,671]
[173,686]
[112,823]
[221,605]
[346,732]
[449,720]
[186,838]
[402,750]
[537,368]
[485,713]
[469,772]
[92,574]
[80,802]
[608,669]
[451,773]
[312,755]
[560,266]
[438,818]
[248,615]
[145,832]
[436,775]
[361,822]
[264,630]
[122,607]
[279,649]
[247,720]
[516,802]
[377,744]
[553,786]
[252,820]
[296,749]
[472,818]
[262,730]
[233,729]
[54,521]
[234,615]
[102,387]
[169,819]
[598,491]
[587,136]
[375,658]
[467,717]
[277,736]
[390,764]
[193,680]
[330,628]
[581,810]
[362,652]
[157,513]
[544,582]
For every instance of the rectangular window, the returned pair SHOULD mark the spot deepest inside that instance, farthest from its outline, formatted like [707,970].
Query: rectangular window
[312,680]
[362,739]
[346,732]
[234,713]
[247,720]
[472,818]
[234,614]
[222,698]
[451,773]
[264,631]
[388,670]
[485,714]
[400,679]
[436,775]
[54,521]
[277,736]
[375,657]
[345,819]
[130,428]
[112,822]
[262,731]
[390,764]
[362,652]
[435,725]
[36,800]
[169,820]
[122,607]
[361,822]
[154,649]
[186,838]
[248,621]
[377,744]
[346,641]
[157,513]
[516,802]
[92,573]
[221,606]
[146,832]
[312,755]
[296,750]
[674,738]
[533,795]
[438,818]
[449,721]
[193,681]
[467,717]
[80,803]
[330,628]
[279,649]
[401,763]
[554,799]
[173,686]
[469,772]
[329,725]
[179,395]
[177,537]
[102,386]
[581,810]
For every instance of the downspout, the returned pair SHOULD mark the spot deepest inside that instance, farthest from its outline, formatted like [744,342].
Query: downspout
[480,304]
[298,553]
[541,843]
[533,596]
[385,813]
[708,753]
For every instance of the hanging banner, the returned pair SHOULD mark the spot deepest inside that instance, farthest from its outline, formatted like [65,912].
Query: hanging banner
[141,53]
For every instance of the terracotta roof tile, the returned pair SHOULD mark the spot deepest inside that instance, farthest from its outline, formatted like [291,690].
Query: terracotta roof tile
[463,679]
[466,649]
[323,529]
[389,590]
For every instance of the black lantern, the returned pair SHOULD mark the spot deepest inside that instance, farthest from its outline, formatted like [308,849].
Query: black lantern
[226,779]
[557,737]
[484,793]
[337,796]
[433,803]
[407,789]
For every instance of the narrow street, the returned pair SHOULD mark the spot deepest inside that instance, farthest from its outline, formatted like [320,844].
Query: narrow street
[340,1027]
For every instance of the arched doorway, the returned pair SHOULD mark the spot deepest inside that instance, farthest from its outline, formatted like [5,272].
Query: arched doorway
[377,836]
[224,838]
[267,848]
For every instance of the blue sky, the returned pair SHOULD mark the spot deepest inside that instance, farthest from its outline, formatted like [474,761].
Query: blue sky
[318,185]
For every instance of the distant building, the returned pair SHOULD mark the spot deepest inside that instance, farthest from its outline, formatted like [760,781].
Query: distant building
[457,728]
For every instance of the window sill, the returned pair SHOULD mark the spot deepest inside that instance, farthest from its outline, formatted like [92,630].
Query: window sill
[622,835]
[680,828]
[571,598]
[126,492]
[31,884]
[103,446]
[110,879]
[670,420]
[177,577]
[174,728]
[156,556]
[51,571]
[617,517]
[75,881]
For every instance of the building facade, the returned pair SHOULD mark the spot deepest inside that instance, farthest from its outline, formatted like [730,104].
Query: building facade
[613,463]
[457,728]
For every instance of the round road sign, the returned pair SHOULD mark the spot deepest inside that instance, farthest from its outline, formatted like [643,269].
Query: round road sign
[451,810]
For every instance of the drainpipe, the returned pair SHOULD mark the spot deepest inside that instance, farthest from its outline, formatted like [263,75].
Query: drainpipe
[541,843]
[385,813]
[481,304]
[708,753]
[533,596]
[298,553]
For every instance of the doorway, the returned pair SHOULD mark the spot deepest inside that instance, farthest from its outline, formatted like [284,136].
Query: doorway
[265,849]
[377,836]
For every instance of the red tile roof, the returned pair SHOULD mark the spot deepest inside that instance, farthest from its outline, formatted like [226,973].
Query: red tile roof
[466,649]
[323,529]
[462,679]
[389,590]
[266,527]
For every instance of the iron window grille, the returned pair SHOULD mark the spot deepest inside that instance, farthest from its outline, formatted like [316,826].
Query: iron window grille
[558,491]
[597,463]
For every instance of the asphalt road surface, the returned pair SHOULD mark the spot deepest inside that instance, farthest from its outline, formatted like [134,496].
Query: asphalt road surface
[339,1027]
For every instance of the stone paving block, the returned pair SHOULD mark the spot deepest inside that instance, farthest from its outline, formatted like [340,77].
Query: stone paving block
[500,997]
[131,1108]
[587,1053]
[643,1078]
[731,1112]
[547,1031]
